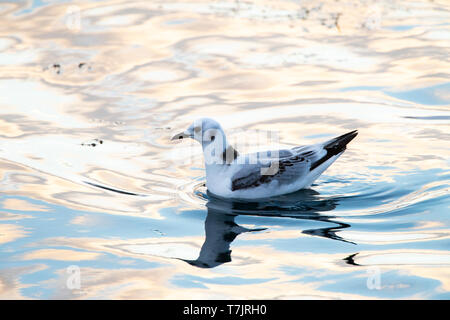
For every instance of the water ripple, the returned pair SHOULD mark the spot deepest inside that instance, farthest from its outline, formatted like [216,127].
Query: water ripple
[133,212]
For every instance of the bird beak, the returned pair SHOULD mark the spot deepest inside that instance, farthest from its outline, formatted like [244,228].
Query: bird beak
[181,135]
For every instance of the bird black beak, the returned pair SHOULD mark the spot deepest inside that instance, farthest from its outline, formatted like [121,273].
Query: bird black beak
[181,135]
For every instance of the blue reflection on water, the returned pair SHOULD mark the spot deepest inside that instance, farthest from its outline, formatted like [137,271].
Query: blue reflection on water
[393,284]
[315,213]
[401,27]
[434,95]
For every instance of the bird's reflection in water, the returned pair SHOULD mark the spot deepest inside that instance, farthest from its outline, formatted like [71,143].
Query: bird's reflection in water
[220,231]
[221,228]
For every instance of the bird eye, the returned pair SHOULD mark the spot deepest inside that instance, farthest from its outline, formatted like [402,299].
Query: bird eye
[212,138]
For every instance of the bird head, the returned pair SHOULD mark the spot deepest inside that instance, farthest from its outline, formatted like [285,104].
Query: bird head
[204,130]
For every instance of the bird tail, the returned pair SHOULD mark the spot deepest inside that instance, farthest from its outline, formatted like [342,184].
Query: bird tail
[334,147]
[338,144]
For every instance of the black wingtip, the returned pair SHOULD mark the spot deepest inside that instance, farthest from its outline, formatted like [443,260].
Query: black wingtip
[334,147]
[338,144]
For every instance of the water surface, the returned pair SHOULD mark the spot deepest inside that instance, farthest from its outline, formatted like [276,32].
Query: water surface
[91,92]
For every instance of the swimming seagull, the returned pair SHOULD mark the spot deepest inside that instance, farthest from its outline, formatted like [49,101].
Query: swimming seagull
[262,174]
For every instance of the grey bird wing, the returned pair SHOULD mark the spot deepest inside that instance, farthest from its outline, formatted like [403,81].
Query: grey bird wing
[290,166]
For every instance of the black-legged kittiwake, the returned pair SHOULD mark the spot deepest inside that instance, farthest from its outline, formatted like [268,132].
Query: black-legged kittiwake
[262,174]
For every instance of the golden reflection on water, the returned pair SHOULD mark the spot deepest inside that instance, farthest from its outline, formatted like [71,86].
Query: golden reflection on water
[10,232]
[156,283]
[132,74]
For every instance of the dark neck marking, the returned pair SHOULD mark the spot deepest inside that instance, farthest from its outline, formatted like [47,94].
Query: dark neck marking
[229,155]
